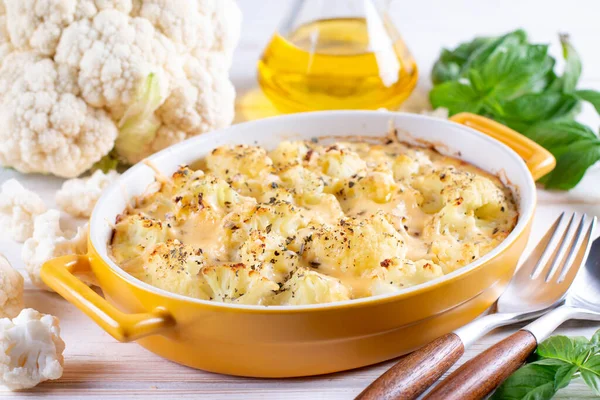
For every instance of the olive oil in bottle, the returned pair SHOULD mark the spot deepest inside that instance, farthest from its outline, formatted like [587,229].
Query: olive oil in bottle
[338,63]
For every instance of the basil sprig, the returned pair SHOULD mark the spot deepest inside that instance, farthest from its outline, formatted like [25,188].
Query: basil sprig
[557,361]
[514,82]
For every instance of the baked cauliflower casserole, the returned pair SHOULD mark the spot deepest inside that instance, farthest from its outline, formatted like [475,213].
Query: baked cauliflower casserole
[311,223]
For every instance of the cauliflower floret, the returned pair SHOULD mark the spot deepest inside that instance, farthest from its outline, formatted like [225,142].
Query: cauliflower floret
[340,162]
[279,218]
[181,21]
[406,165]
[307,185]
[246,168]
[11,290]
[465,204]
[18,209]
[237,283]
[376,186]
[47,128]
[268,254]
[135,236]
[31,350]
[197,190]
[202,26]
[79,196]
[251,161]
[200,101]
[355,245]
[6,46]
[49,241]
[451,253]
[272,192]
[310,287]
[174,267]
[288,154]
[396,274]
[38,24]
[112,55]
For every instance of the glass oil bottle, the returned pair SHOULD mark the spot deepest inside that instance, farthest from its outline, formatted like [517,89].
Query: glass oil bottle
[337,54]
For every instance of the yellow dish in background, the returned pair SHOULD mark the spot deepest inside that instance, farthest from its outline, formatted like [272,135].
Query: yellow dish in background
[286,341]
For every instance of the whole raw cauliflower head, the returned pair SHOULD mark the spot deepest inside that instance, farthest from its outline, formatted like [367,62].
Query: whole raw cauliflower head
[31,350]
[79,78]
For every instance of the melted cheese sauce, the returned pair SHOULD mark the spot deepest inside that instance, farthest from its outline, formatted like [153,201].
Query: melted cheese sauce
[352,219]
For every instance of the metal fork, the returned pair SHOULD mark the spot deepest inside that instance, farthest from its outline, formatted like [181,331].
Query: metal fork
[481,375]
[538,285]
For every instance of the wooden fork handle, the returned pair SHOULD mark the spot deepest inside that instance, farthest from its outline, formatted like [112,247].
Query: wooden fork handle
[413,374]
[481,375]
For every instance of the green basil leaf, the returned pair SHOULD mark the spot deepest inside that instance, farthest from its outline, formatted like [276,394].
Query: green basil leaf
[591,96]
[572,65]
[456,97]
[558,135]
[515,69]
[531,382]
[481,54]
[540,106]
[590,372]
[572,164]
[444,71]
[449,65]
[595,340]
[564,348]
[564,375]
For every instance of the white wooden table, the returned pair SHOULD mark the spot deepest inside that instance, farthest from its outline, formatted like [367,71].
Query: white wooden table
[96,366]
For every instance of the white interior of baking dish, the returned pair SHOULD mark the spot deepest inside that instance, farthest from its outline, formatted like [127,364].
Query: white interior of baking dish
[447,137]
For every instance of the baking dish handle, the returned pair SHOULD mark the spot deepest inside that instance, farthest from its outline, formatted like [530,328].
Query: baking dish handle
[58,275]
[539,160]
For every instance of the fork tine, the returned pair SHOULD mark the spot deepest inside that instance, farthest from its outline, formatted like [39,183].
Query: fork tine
[580,246]
[548,250]
[575,245]
[562,248]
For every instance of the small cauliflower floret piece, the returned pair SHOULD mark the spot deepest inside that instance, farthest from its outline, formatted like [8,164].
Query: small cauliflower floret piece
[279,218]
[49,241]
[452,254]
[396,274]
[470,205]
[79,196]
[355,245]
[11,290]
[134,236]
[268,254]
[237,283]
[310,287]
[18,209]
[340,163]
[290,153]
[197,190]
[246,168]
[175,267]
[410,163]
[454,187]
[306,185]
[250,161]
[272,192]
[31,350]
[376,186]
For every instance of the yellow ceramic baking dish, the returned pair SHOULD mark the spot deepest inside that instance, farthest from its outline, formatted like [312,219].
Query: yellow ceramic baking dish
[288,341]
